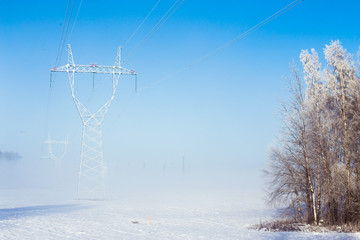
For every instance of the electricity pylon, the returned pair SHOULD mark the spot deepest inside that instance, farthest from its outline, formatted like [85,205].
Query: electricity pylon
[58,156]
[91,173]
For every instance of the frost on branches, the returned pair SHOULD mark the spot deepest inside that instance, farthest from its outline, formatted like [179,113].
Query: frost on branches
[315,167]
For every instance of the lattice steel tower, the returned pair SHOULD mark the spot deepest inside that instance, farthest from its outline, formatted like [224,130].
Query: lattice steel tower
[91,173]
[57,156]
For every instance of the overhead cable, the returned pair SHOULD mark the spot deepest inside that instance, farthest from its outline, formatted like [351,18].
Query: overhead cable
[67,28]
[249,31]
[166,16]
[77,14]
[140,25]
[62,33]
[226,45]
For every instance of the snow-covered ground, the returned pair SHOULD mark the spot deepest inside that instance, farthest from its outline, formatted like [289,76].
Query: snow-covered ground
[175,214]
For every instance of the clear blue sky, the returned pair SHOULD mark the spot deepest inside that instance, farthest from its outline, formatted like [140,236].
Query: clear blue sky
[221,114]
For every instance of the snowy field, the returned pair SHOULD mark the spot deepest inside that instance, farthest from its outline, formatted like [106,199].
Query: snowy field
[42,214]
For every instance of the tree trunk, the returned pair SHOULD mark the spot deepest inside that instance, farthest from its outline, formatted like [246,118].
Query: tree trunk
[298,204]
[357,172]
[328,188]
[347,150]
[318,192]
[308,175]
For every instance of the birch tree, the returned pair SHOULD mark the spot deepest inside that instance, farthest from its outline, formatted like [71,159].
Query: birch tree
[294,162]
[341,78]
[315,92]
[317,166]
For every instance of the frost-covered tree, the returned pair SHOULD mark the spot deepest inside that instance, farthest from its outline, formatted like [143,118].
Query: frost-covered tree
[295,158]
[320,147]
[284,187]
[314,106]
[342,81]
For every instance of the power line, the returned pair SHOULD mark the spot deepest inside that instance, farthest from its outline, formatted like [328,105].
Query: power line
[67,28]
[226,45]
[252,29]
[156,27]
[168,17]
[140,25]
[77,14]
[62,33]
[63,39]
[249,31]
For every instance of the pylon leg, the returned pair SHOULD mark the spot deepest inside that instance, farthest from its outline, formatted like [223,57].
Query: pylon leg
[91,174]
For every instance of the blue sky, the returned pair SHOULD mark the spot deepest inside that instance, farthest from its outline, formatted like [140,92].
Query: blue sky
[221,114]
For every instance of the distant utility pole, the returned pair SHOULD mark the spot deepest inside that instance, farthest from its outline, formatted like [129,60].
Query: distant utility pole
[91,174]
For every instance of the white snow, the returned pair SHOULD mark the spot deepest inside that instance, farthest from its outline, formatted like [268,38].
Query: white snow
[175,214]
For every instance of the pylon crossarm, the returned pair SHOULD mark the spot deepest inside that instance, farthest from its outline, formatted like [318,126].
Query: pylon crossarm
[116,70]
[93,68]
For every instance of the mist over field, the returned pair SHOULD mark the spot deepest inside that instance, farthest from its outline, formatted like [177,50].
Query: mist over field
[162,114]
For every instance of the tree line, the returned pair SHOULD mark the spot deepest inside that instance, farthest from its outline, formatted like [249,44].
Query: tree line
[314,167]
